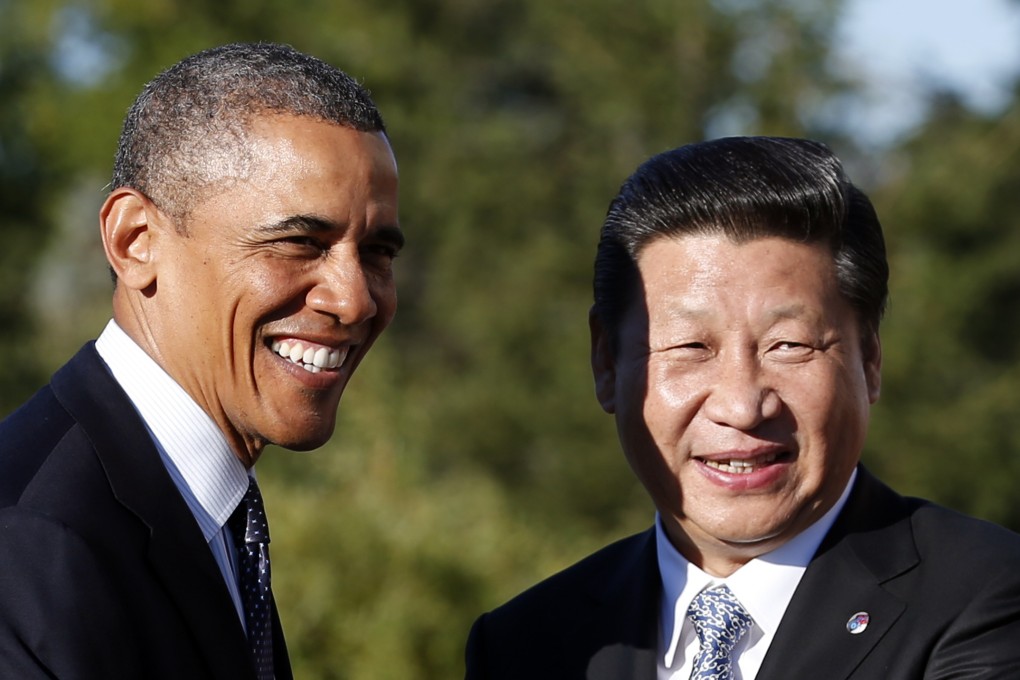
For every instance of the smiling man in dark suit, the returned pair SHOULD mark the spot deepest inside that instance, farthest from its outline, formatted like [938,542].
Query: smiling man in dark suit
[739,285]
[251,229]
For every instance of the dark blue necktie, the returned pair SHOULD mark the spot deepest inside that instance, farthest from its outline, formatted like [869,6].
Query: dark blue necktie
[251,536]
[720,621]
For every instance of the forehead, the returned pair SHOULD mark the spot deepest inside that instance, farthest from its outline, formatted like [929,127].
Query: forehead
[299,145]
[711,274]
[295,165]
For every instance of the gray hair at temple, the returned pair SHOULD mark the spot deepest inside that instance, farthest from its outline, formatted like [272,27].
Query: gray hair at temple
[745,188]
[186,131]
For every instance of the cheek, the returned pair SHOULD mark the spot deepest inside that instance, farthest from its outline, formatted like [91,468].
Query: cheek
[263,292]
[831,414]
[272,274]
[655,407]
[672,397]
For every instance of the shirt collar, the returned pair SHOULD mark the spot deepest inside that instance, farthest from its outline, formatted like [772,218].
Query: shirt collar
[185,433]
[764,586]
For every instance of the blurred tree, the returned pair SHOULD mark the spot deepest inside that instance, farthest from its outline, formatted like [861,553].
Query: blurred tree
[27,179]
[952,341]
[471,457]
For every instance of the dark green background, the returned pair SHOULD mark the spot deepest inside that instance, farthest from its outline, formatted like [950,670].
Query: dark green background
[471,458]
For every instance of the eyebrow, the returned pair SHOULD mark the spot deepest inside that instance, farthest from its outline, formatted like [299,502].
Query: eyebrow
[687,313]
[315,224]
[791,311]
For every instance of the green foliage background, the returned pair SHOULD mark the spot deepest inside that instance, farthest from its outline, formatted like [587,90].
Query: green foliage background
[471,458]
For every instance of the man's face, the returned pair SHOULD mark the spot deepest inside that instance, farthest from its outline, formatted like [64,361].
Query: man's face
[282,283]
[741,385]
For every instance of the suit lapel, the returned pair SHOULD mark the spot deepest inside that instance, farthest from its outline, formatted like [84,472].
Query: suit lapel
[178,553]
[281,659]
[629,612]
[870,543]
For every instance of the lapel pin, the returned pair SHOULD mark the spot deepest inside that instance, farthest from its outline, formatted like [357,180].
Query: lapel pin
[857,623]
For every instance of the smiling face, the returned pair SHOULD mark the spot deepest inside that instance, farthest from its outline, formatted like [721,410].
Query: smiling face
[283,280]
[741,385]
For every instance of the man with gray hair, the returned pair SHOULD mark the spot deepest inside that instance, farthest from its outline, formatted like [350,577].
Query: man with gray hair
[251,230]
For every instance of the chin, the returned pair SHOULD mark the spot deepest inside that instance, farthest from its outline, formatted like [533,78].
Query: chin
[305,438]
[761,540]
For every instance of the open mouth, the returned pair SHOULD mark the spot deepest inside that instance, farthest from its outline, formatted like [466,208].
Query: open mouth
[312,358]
[745,466]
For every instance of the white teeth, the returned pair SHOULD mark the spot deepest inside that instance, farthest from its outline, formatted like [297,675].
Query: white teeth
[312,359]
[741,467]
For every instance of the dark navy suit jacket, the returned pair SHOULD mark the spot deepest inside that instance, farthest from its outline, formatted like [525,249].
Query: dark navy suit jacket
[104,572]
[941,590]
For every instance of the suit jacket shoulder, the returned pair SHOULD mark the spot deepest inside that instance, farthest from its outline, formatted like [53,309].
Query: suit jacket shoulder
[106,573]
[596,619]
[940,592]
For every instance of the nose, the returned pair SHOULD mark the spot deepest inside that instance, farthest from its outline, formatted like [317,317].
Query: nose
[344,290]
[741,397]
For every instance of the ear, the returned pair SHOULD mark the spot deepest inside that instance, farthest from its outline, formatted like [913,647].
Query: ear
[128,221]
[603,362]
[871,350]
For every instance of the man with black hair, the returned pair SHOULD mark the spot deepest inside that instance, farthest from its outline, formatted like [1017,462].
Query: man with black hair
[739,285]
[251,230]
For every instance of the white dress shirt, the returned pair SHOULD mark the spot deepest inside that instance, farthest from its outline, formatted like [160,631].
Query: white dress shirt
[764,586]
[209,476]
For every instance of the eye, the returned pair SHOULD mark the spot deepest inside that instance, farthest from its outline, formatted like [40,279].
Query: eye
[687,351]
[380,255]
[382,250]
[299,246]
[302,241]
[790,350]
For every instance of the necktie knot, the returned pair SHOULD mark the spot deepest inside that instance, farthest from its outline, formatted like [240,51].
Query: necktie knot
[720,622]
[248,522]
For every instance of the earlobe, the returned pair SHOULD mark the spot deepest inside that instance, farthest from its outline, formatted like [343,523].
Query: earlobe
[603,363]
[126,221]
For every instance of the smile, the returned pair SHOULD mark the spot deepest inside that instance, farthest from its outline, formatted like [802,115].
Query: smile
[742,467]
[311,358]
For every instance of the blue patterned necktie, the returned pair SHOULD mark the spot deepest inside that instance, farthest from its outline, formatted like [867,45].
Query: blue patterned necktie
[720,621]
[251,536]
